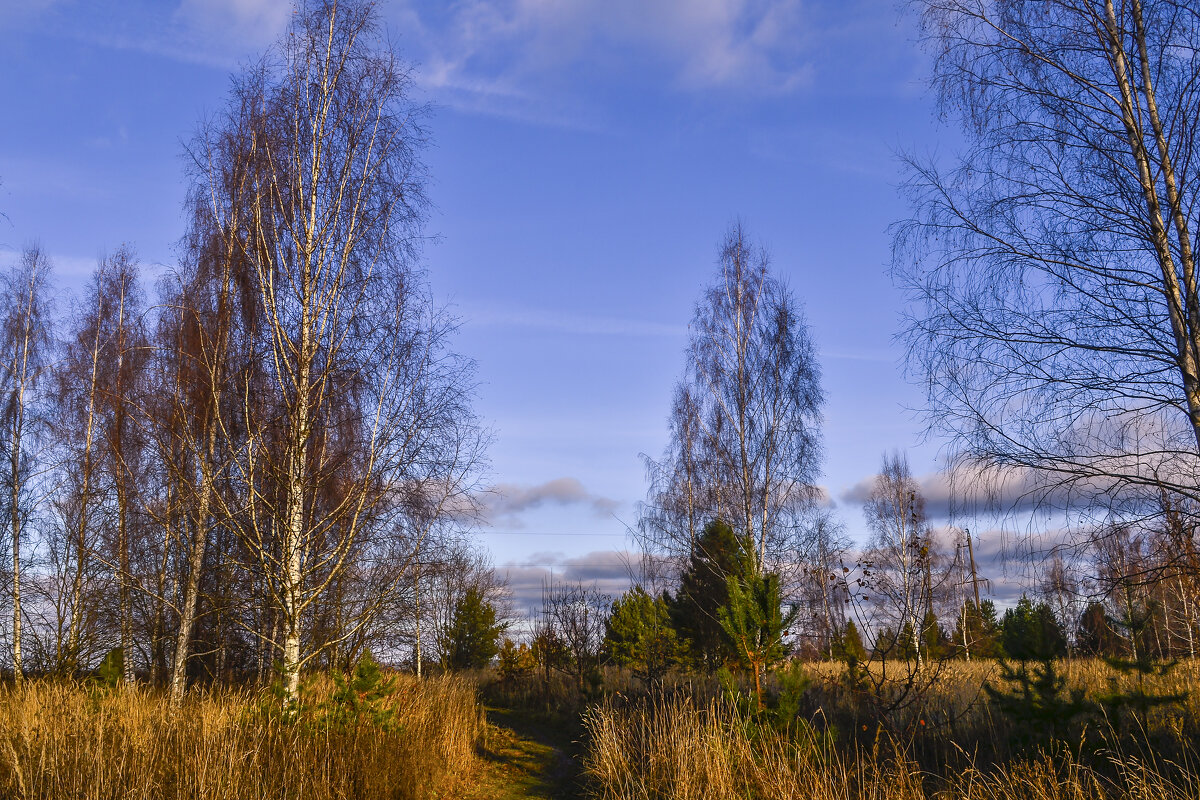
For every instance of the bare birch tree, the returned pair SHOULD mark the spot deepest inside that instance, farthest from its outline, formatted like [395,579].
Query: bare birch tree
[1057,311]
[76,424]
[213,318]
[365,430]
[745,440]
[681,498]
[122,356]
[906,571]
[818,587]
[575,617]
[24,356]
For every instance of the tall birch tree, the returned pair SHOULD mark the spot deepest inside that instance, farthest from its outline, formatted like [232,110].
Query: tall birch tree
[76,427]
[121,359]
[1056,304]
[745,431]
[358,430]
[213,318]
[25,340]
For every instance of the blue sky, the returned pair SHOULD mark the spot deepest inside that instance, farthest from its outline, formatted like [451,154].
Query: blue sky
[587,158]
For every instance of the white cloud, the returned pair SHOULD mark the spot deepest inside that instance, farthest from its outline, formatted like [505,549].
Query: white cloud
[507,501]
[508,49]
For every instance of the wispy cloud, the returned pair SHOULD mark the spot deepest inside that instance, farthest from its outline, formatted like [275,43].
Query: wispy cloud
[250,22]
[507,501]
[516,50]
[521,59]
[216,33]
[68,270]
[965,492]
[947,495]
[12,11]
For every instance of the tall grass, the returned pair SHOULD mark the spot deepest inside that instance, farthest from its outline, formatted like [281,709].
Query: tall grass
[682,747]
[66,742]
[679,751]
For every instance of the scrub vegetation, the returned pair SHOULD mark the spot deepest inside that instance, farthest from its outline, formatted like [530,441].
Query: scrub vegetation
[229,500]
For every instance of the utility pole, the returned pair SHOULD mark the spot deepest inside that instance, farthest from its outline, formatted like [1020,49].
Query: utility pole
[964,620]
[974,575]
[975,588]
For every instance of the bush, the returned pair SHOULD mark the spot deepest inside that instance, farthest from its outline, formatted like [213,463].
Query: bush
[364,697]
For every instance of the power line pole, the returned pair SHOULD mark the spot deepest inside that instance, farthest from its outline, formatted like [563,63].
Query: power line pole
[974,575]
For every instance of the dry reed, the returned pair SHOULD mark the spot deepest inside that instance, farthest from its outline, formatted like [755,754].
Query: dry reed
[69,742]
[685,748]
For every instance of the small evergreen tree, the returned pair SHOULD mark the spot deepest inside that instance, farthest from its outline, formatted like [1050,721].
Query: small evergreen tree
[1030,632]
[515,661]
[703,589]
[904,646]
[754,623]
[471,639]
[1137,702]
[1033,696]
[849,645]
[885,643]
[934,642]
[112,668]
[363,697]
[977,631]
[1095,635]
[639,635]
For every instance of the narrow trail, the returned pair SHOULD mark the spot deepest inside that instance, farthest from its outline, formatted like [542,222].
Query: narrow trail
[525,757]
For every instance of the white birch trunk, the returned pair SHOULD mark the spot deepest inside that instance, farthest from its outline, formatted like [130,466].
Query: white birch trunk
[75,628]
[187,614]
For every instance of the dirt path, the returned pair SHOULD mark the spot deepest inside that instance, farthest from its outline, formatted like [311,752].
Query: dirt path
[525,757]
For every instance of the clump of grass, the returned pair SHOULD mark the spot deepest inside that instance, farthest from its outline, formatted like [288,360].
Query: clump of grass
[62,741]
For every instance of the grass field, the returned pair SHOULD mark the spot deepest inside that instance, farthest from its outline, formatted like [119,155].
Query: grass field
[60,741]
[69,741]
[950,744]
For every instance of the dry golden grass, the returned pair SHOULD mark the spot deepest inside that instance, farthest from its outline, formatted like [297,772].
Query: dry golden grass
[681,752]
[67,742]
[684,748]
[963,679]
[956,697]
